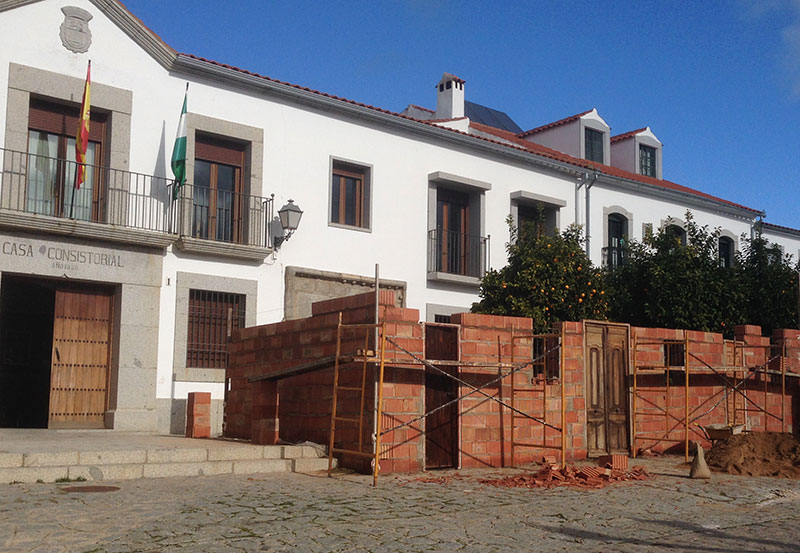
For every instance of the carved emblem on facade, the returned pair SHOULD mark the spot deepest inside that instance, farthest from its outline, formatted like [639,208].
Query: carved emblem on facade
[75,33]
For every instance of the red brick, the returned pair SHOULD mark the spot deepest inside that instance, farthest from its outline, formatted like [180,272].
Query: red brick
[615,461]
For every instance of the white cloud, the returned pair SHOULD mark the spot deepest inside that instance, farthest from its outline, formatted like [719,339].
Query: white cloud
[791,44]
[787,13]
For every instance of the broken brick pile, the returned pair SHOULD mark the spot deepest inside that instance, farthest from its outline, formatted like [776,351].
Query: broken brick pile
[612,468]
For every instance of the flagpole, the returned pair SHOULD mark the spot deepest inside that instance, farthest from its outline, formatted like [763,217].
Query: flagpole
[72,199]
[81,141]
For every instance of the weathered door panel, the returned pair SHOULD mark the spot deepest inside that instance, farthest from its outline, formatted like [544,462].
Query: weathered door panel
[80,359]
[616,355]
[441,427]
[606,392]
[595,391]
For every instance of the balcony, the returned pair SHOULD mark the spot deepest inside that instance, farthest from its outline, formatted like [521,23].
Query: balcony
[457,257]
[223,222]
[614,257]
[37,194]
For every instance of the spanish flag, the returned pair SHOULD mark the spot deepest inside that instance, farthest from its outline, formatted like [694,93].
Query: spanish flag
[82,138]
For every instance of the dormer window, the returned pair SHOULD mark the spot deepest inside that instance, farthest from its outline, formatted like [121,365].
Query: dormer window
[594,145]
[647,161]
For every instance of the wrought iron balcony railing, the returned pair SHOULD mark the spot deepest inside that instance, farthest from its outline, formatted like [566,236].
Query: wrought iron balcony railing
[614,256]
[457,253]
[223,215]
[43,185]
[36,184]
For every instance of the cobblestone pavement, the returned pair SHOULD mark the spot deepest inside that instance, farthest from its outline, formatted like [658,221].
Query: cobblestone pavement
[299,513]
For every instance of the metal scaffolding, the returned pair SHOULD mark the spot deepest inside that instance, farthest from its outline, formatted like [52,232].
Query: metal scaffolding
[366,357]
[736,380]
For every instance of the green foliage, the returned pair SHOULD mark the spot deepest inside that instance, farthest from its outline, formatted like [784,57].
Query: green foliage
[770,283]
[665,283]
[547,278]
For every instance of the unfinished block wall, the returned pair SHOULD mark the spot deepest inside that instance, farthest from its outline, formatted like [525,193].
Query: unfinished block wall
[298,408]
[486,426]
[711,398]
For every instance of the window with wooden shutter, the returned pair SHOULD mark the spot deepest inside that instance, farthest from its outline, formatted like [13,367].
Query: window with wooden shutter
[52,167]
[217,196]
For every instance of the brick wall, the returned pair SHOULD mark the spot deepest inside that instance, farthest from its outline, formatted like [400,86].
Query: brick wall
[486,426]
[708,401]
[298,408]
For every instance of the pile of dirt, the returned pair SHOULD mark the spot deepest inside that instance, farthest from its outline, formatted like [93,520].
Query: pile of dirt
[757,454]
[550,476]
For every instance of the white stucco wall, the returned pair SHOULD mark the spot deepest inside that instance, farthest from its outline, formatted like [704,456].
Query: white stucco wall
[646,209]
[565,138]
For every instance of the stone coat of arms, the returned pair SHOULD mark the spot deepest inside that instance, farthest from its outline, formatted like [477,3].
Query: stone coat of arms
[75,33]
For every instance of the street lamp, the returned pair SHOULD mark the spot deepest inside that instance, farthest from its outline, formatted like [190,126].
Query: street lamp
[289,216]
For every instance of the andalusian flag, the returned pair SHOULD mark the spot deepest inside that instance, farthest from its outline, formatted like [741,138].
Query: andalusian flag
[82,138]
[179,151]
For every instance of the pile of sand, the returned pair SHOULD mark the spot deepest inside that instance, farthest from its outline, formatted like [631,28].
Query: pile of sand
[757,454]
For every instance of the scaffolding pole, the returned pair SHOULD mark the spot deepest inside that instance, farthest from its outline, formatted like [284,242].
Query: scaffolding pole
[729,376]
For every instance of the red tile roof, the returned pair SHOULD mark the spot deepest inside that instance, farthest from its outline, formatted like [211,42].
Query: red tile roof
[599,167]
[627,135]
[554,124]
[516,141]
[422,108]
[773,226]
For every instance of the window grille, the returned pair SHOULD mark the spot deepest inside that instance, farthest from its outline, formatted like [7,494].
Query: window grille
[212,318]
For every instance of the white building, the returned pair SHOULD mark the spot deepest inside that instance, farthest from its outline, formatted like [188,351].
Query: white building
[111,314]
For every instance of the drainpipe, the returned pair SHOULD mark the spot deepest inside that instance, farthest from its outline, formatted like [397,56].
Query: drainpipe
[581,181]
[587,181]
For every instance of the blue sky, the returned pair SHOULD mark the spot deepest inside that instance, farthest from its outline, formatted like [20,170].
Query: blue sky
[718,82]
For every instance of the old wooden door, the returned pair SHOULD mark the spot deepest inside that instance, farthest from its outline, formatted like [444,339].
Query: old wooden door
[441,427]
[80,361]
[606,393]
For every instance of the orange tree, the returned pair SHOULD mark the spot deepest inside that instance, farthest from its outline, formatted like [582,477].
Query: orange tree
[547,278]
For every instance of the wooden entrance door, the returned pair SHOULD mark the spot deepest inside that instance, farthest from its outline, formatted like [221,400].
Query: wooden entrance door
[441,427]
[80,361]
[606,393]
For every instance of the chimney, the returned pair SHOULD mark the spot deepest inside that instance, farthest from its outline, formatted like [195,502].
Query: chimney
[449,97]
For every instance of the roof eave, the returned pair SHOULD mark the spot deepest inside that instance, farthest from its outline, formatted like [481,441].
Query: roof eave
[310,98]
[744,213]
[777,229]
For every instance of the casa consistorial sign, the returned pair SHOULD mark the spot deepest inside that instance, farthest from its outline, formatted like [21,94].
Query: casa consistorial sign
[75,34]
[61,256]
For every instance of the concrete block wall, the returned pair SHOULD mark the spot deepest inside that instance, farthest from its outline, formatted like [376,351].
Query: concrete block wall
[299,408]
[403,449]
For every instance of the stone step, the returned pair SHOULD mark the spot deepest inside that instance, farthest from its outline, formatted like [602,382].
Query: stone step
[155,463]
